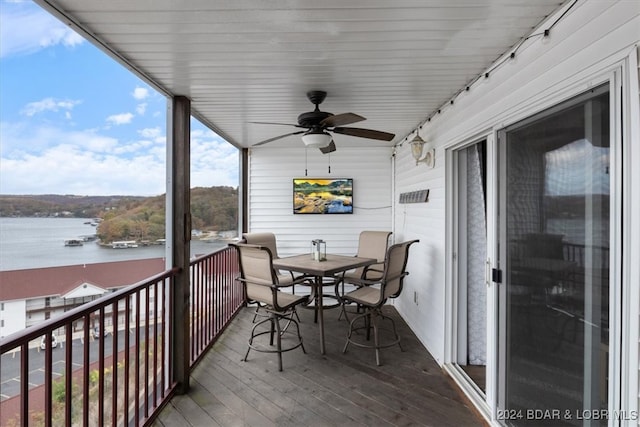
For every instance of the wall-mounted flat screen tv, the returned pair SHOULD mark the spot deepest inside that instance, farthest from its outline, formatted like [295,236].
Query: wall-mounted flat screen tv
[322,195]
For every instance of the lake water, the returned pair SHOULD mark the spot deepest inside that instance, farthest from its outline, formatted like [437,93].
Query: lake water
[39,242]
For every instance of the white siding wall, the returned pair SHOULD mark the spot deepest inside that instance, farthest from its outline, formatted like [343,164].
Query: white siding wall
[591,38]
[422,302]
[635,232]
[14,317]
[271,195]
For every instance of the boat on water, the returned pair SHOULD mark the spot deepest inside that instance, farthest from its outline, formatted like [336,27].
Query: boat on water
[124,244]
[74,242]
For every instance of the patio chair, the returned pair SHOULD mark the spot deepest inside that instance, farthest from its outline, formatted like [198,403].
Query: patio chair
[261,285]
[372,299]
[269,240]
[371,244]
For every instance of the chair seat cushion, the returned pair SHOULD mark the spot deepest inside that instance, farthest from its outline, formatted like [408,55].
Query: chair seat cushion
[367,295]
[286,299]
[263,294]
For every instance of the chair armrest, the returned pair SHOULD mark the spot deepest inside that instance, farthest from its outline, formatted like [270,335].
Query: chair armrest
[366,282]
[362,282]
[273,299]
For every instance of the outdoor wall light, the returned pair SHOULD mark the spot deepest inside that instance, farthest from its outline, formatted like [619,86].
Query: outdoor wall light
[316,139]
[417,148]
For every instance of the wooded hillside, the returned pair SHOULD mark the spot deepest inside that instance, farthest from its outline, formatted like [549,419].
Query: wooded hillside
[127,217]
[60,205]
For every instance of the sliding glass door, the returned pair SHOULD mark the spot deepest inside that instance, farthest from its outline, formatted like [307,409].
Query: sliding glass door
[554,255]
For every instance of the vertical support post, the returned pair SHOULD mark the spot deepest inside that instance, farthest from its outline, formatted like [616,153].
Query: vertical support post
[244,196]
[179,227]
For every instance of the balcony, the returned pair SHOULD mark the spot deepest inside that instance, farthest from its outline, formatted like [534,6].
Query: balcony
[80,382]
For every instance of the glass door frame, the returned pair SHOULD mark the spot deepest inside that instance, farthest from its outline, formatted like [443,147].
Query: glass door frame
[484,401]
[613,78]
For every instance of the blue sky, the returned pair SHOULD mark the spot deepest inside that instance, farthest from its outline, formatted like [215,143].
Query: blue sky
[73,121]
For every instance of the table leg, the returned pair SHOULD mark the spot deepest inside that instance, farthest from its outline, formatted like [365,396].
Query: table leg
[320,314]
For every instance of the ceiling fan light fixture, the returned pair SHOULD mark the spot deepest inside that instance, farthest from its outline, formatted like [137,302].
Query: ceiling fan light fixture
[316,139]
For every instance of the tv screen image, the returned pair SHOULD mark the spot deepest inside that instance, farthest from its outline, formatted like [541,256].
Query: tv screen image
[323,195]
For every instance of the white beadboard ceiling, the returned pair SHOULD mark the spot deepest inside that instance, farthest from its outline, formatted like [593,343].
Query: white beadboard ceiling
[394,62]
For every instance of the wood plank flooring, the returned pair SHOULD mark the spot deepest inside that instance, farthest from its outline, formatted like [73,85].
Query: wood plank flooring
[409,389]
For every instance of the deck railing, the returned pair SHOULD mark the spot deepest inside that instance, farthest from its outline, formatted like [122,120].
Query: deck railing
[111,363]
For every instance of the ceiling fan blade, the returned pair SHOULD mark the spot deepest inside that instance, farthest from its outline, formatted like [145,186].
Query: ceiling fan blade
[329,148]
[364,133]
[278,137]
[274,123]
[341,119]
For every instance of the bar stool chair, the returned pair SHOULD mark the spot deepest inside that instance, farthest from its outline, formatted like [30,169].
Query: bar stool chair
[371,244]
[262,286]
[372,299]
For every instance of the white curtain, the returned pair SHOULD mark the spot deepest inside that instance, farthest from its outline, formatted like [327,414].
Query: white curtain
[476,256]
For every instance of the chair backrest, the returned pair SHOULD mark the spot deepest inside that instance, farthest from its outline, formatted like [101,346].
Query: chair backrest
[256,271]
[373,244]
[263,239]
[395,265]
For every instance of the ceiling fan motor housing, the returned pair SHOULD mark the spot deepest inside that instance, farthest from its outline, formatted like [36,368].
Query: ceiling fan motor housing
[312,119]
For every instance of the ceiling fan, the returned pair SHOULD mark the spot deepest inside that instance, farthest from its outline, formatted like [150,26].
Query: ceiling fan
[318,124]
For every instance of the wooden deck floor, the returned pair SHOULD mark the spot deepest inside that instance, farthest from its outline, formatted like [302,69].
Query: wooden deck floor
[315,390]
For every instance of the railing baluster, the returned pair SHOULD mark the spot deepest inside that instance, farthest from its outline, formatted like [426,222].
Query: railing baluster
[192,326]
[68,375]
[162,318]
[169,319]
[100,367]
[48,363]
[155,344]
[136,366]
[114,363]
[24,384]
[127,356]
[85,367]
[146,353]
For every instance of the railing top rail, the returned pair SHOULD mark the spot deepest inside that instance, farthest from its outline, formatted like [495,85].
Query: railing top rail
[208,255]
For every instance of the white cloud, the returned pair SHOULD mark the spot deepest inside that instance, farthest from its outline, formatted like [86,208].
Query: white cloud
[66,169]
[47,159]
[25,28]
[40,160]
[140,93]
[213,160]
[150,132]
[133,147]
[120,119]
[141,108]
[49,104]
[20,138]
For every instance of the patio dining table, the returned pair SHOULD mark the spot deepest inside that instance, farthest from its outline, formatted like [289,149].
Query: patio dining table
[332,267]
